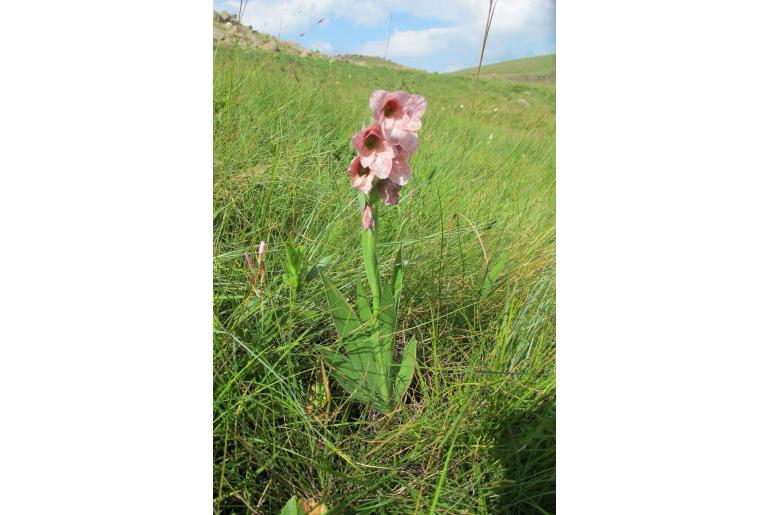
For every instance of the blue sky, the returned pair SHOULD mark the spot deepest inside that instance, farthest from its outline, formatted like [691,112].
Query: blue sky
[427,34]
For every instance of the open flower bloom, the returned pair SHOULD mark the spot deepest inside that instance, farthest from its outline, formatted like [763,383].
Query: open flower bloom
[399,172]
[389,191]
[375,151]
[399,114]
[360,177]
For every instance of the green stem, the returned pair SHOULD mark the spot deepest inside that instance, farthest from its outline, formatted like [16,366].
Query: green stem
[369,244]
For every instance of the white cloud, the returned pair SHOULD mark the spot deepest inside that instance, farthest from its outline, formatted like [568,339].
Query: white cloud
[278,17]
[412,43]
[322,46]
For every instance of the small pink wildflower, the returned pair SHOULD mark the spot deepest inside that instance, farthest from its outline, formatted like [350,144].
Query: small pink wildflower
[376,152]
[261,262]
[366,219]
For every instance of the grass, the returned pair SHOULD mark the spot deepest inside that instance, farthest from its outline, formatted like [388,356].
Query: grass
[540,68]
[477,431]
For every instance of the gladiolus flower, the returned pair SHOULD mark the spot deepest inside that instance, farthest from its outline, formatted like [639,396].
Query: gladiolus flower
[360,177]
[399,114]
[366,219]
[375,151]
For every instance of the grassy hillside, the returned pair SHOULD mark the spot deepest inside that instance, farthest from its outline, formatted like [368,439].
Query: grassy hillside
[476,433]
[367,60]
[540,68]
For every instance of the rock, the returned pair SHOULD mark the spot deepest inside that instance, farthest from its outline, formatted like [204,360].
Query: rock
[225,16]
[217,16]
[218,34]
[270,45]
[523,102]
[228,25]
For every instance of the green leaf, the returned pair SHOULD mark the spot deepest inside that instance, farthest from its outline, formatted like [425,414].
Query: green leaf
[406,370]
[345,320]
[292,259]
[358,349]
[387,328]
[363,303]
[292,508]
[358,375]
[388,309]
[347,374]
[489,280]
[322,264]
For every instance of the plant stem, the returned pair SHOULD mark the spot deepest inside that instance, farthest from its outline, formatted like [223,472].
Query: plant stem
[369,244]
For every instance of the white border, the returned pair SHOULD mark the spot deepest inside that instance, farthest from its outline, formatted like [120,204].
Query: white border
[106,263]
[662,257]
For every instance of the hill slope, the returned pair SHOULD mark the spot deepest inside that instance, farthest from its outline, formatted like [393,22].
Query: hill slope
[540,68]
[228,31]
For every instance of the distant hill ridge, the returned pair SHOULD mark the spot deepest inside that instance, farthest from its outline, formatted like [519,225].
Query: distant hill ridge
[529,69]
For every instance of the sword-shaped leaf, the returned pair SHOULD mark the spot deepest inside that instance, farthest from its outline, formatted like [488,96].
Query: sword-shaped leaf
[406,370]
[387,328]
[345,320]
[347,374]
[363,302]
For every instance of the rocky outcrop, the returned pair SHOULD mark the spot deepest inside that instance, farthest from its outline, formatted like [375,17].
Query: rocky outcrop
[228,31]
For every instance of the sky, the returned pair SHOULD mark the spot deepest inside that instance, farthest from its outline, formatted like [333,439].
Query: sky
[432,35]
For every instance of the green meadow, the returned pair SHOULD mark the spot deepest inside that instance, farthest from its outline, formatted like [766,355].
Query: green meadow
[476,431]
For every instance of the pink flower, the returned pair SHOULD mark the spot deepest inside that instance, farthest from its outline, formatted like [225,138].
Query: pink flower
[389,191]
[399,114]
[360,177]
[399,173]
[375,151]
[248,260]
[261,250]
[366,218]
